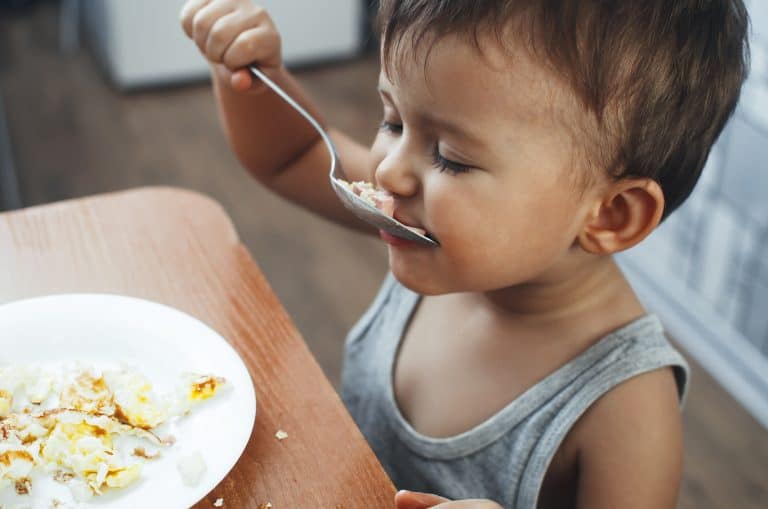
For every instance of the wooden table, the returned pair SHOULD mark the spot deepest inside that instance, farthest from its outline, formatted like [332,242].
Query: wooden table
[180,248]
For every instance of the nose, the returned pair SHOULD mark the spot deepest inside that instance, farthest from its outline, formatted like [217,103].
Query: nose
[396,172]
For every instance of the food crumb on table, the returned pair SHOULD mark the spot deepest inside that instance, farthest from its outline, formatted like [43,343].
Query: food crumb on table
[281,435]
[265,505]
[219,502]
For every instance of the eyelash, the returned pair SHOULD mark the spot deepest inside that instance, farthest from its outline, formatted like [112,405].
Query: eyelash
[390,127]
[439,161]
[444,164]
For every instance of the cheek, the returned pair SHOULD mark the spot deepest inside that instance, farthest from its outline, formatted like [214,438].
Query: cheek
[494,238]
[465,216]
[468,227]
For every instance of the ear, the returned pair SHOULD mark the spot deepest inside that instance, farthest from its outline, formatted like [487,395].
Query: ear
[628,211]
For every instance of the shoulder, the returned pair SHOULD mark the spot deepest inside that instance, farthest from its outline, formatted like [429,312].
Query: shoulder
[629,444]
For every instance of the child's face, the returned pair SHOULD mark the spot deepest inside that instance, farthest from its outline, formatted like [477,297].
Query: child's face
[478,151]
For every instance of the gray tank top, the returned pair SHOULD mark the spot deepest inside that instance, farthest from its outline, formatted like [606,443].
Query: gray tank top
[506,457]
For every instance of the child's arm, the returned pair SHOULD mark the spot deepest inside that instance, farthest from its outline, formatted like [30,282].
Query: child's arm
[274,143]
[631,447]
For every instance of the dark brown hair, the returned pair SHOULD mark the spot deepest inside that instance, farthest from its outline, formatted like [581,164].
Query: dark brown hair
[659,77]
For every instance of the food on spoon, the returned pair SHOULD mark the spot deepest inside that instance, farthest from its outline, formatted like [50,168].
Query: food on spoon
[377,198]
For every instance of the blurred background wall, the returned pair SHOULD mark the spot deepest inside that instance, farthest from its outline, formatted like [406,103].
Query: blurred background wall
[162,53]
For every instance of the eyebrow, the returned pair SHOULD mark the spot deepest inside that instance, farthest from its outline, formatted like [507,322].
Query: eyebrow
[442,123]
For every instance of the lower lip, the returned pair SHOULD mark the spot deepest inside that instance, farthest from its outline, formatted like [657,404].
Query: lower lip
[396,241]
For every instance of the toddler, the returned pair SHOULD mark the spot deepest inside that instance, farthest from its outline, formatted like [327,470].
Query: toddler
[512,365]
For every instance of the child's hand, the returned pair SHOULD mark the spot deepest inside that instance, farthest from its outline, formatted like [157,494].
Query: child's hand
[412,500]
[233,34]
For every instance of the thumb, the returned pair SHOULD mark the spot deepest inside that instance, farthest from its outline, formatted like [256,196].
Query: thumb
[413,500]
[241,80]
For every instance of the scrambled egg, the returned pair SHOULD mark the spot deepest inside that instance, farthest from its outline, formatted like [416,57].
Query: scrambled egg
[70,426]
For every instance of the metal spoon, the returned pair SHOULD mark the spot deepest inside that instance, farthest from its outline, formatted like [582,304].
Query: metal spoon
[351,201]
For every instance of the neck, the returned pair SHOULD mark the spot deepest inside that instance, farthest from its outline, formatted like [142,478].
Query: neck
[581,286]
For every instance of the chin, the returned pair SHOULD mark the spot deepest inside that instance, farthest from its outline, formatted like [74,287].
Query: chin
[417,281]
[419,286]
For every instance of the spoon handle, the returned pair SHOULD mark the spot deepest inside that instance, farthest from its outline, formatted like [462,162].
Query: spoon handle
[295,105]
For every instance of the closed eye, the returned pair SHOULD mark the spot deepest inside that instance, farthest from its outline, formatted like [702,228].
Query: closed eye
[444,164]
[391,127]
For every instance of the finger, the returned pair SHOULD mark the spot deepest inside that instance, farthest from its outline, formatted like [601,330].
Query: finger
[241,80]
[188,14]
[221,35]
[468,504]
[224,31]
[205,18]
[414,500]
[260,45]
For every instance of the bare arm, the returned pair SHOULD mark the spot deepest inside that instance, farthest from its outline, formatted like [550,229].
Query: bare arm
[630,444]
[272,141]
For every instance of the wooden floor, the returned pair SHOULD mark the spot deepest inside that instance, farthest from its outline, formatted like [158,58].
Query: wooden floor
[73,135]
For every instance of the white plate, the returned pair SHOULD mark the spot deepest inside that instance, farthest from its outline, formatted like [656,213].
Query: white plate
[159,342]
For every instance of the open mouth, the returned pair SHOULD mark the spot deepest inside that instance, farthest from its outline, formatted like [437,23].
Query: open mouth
[416,229]
[384,202]
[420,232]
